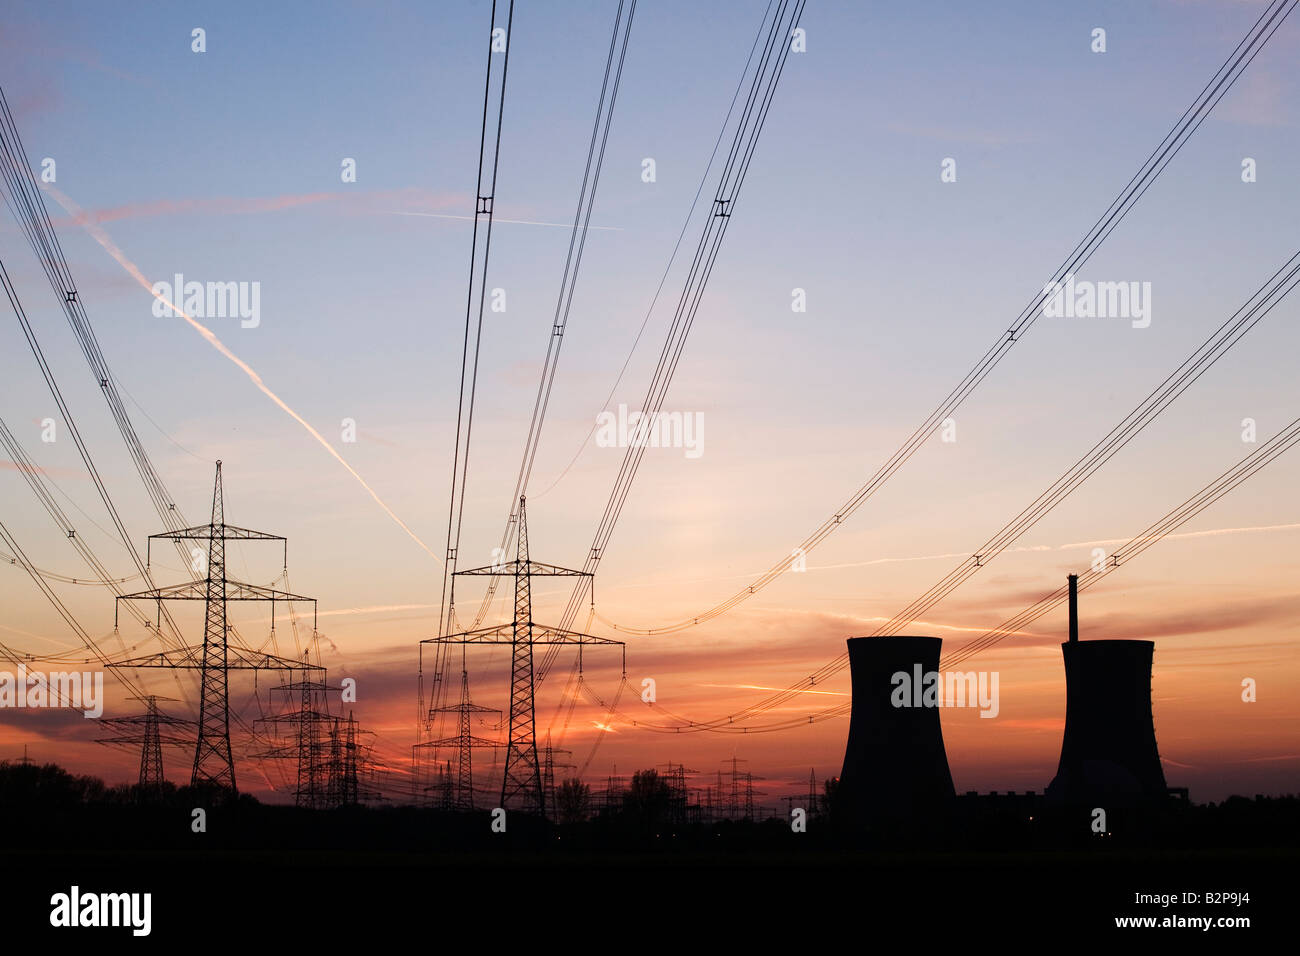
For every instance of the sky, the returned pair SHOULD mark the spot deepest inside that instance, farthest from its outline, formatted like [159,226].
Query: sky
[225,166]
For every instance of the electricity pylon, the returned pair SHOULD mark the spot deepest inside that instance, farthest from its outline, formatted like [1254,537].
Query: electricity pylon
[464,741]
[213,763]
[522,781]
[549,763]
[310,792]
[151,738]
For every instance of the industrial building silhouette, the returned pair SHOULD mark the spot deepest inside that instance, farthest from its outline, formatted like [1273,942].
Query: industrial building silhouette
[1108,752]
[895,765]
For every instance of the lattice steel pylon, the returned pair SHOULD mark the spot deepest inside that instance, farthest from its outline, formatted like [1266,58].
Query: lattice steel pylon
[521,783]
[213,762]
[151,769]
[313,711]
[349,792]
[522,774]
[151,738]
[212,757]
[549,763]
[465,743]
[334,768]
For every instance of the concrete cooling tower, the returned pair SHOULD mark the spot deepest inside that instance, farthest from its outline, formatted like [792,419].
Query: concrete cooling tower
[895,767]
[1108,753]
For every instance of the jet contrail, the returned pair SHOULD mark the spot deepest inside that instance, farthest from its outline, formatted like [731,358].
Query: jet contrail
[1209,533]
[377,608]
[825,693]
[1023,549]
[111,248]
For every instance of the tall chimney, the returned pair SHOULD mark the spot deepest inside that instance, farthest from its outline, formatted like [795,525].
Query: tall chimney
[1074,607]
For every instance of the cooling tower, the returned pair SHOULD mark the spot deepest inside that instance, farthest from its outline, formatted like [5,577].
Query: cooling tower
[895,767]
[1108,753]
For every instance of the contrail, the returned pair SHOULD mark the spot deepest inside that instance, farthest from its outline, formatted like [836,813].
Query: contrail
[377,608]
[1023,549]
[825,693]
[111,248]
[1210,533]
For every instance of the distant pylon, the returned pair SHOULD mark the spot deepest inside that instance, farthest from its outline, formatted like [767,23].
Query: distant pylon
[549,763]
[464,749]
[349,794]
[334,773]
[444,788]
[151,738]
[677,790]
[522,781]
[151,765]
[308,791]
[312,711]
[465,742]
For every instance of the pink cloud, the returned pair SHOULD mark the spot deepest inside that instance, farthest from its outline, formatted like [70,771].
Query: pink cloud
[411,198]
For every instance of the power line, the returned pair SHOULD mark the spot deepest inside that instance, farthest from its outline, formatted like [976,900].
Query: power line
[1259,305]
[60,607]
[71,424]
[663,278]
[1222,81]
[484,203]
[1229,480]
[767,75]
[568,282]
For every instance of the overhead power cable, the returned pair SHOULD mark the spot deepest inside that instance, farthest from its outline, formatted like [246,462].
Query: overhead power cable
[485,188]
[569,280]
[1267,297]
[26,202]
[749,127]
[70,423]
[87,641]
[1286,439]
[1218,86]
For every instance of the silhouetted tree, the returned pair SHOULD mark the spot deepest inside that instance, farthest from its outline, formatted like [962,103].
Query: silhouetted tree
[830,787]
[46,786]
[648,801]
[572,801]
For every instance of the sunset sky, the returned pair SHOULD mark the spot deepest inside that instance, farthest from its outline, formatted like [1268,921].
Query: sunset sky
[225,166]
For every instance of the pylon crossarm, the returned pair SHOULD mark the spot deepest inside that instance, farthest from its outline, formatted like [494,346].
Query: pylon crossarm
[228,532]
[139,719]
[456,741]
[471,708]
[197,591]
[192,657]
[294,717]
[504,634]
[531,568]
